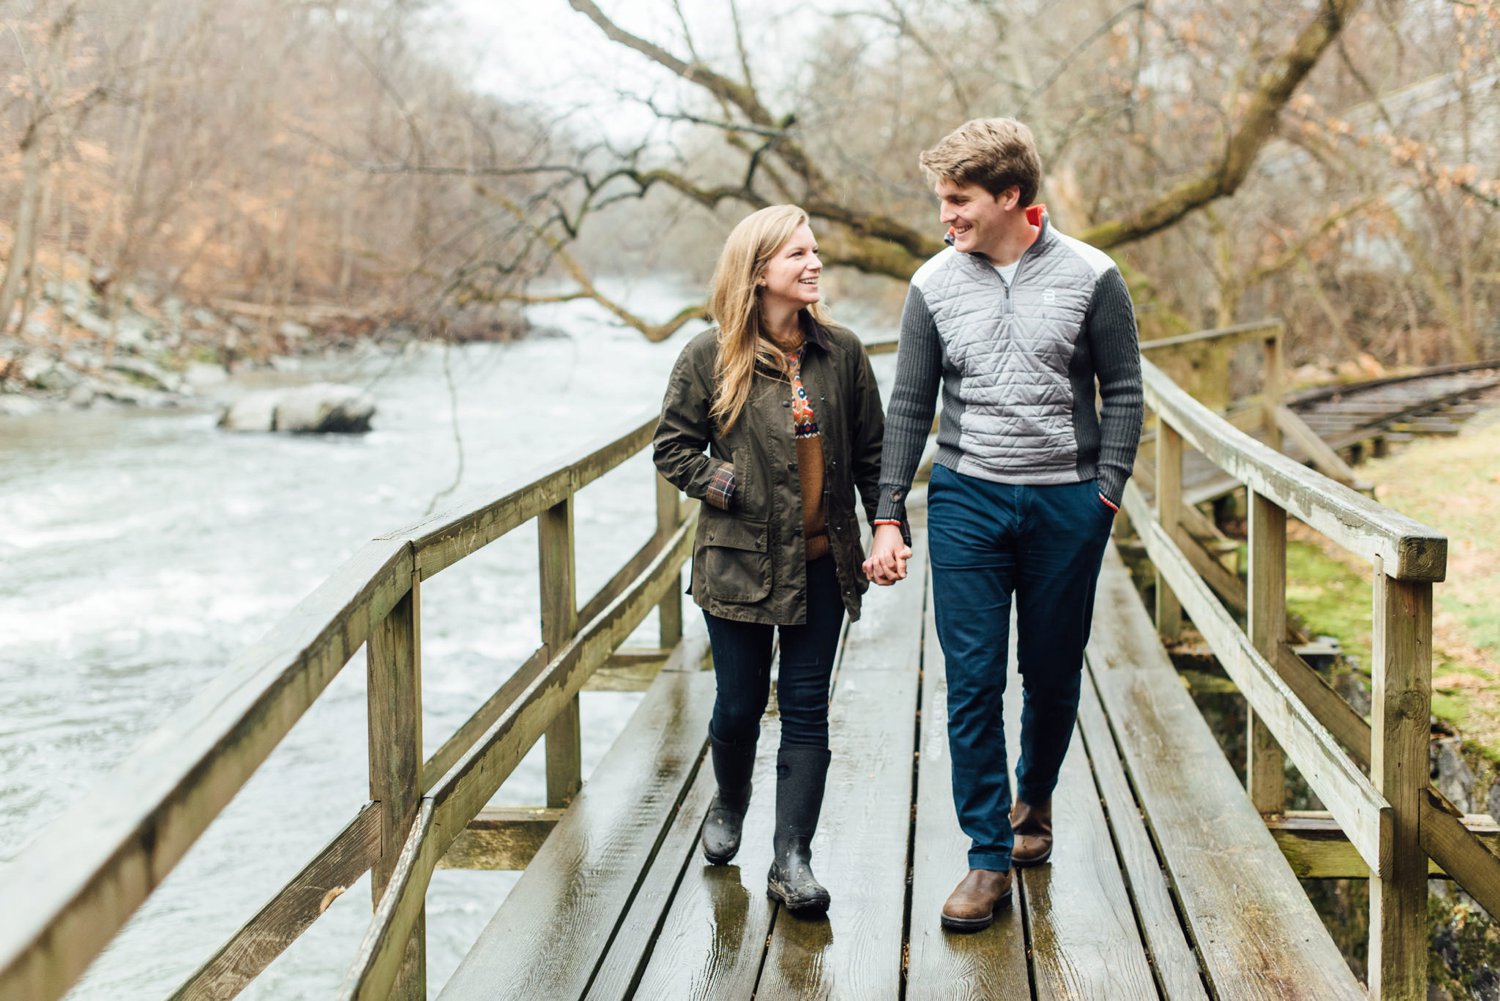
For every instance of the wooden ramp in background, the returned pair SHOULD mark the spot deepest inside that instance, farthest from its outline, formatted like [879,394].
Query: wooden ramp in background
[1322,427]
[1164,883]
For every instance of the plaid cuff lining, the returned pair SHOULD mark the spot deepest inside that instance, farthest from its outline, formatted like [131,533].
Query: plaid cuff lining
[721,487]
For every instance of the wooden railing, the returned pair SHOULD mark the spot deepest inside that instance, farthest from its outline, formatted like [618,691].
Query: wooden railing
[1199,364]
[79,881]
[1371,776]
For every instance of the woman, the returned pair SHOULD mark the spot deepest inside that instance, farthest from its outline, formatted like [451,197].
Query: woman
[787,409]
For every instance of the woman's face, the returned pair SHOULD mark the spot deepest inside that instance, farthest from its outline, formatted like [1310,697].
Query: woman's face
[791,276]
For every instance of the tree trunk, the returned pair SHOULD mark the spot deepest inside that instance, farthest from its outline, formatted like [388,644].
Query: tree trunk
[32,167]
[1437,286]
[30,290]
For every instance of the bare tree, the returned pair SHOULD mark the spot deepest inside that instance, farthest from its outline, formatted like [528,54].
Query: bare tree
[867,208]
[50,110]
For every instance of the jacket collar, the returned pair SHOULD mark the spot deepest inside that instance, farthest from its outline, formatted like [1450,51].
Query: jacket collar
[1036,214]
[815,334]
[815,331]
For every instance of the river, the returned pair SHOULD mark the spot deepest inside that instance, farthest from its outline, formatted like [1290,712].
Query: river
[143,550]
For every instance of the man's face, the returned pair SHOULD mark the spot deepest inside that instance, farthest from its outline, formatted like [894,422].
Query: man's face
[976,217]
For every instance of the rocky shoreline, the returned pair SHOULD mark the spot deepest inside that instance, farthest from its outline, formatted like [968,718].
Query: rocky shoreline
[73,354]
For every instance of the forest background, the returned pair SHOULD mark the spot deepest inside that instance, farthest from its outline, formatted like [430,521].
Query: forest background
[338,166]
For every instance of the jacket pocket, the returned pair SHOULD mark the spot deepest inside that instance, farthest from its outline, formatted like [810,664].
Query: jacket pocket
[735,563]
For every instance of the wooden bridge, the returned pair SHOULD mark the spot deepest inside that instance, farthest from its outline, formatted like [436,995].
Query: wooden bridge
[1172,877]
[1329,427]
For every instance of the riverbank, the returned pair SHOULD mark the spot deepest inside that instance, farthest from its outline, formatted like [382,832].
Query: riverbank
[84,344]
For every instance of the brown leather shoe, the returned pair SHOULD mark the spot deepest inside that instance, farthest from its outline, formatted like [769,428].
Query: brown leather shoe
[973,902]
[1033,827]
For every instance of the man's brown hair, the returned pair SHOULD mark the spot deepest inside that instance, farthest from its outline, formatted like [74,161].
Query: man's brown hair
[993,153]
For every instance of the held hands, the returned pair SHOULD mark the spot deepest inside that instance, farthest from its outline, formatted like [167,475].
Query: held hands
[888,555]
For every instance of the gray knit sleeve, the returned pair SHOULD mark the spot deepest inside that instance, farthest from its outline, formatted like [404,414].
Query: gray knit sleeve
[1116,353]
[919,370]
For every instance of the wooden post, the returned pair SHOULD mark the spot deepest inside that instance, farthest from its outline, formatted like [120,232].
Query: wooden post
[1272,390]
[1265,762]
[1399,731]
[1169,513]
[668,517]
[559,591]
[395,710]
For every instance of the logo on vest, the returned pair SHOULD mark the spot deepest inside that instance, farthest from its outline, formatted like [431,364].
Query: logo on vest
[1048,297]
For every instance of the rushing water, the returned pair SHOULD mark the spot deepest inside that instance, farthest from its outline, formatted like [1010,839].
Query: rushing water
[143,551]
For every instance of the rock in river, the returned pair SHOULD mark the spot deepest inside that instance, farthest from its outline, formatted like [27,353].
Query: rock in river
[316,409]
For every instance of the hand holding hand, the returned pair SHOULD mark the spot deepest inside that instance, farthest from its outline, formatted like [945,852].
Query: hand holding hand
[888,555]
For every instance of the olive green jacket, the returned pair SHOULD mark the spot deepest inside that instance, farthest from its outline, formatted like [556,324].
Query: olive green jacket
[748,561]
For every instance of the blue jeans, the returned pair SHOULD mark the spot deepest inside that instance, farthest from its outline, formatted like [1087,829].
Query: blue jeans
[742,667]
[1044,545]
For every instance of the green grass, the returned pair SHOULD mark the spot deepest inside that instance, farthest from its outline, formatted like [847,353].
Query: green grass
[1329,599]
[1452,485]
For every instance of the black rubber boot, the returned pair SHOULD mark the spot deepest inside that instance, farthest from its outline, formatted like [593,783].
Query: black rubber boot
[800,776]
[733,765]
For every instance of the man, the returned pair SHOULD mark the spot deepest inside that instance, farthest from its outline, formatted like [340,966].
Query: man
[1018,323]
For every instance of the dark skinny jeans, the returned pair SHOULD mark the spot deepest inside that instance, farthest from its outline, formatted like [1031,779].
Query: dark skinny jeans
[742,667]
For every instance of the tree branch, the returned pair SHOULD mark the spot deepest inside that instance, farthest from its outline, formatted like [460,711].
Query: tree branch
[586,287]
[1225,177]
[741,96]
[1296,251]
[880,244]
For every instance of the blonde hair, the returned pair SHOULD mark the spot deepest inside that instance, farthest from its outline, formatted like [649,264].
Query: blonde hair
[994,153]
[734,304]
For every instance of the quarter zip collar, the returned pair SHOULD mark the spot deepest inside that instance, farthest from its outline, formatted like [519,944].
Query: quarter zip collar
[1037,216]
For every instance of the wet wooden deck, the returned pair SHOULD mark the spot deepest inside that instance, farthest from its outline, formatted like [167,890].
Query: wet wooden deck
[1164,881]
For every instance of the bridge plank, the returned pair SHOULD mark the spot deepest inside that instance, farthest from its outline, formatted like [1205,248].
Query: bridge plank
[549,936]
[1252,925]
[637,934]
[1084,939]
[1081,925]
[713,939]
[944,966]
[1177,974]
[861,849]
